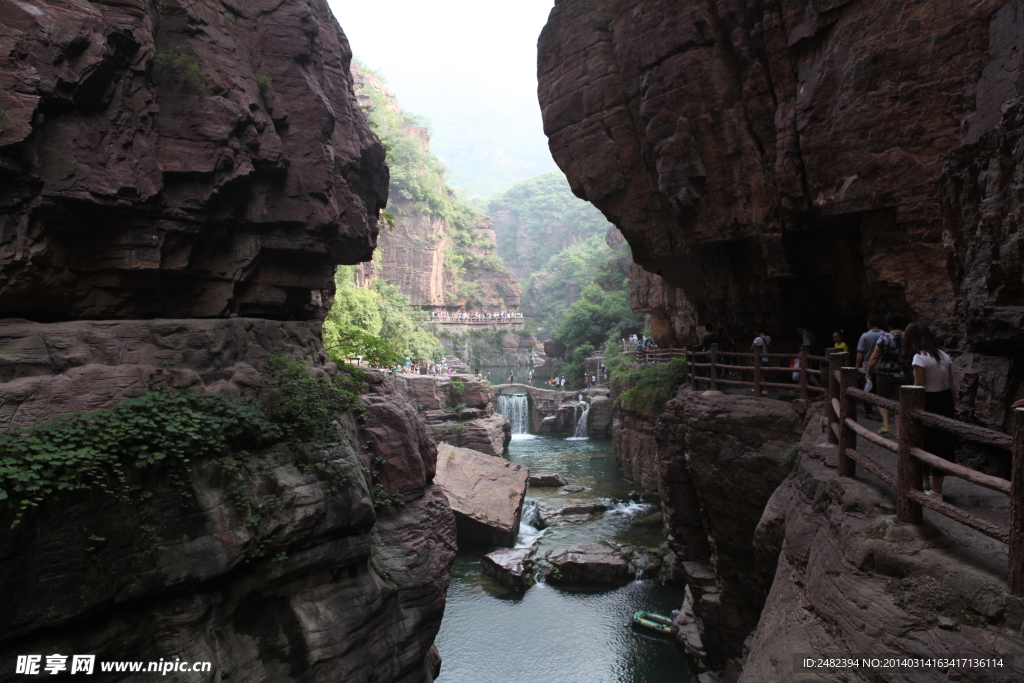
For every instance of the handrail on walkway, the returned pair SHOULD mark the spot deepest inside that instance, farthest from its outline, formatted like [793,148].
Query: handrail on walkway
[843,430]
[757,369]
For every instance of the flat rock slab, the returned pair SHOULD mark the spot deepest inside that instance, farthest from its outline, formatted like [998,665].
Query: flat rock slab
[590,563]
[548,480]
[510,567]
[486,494]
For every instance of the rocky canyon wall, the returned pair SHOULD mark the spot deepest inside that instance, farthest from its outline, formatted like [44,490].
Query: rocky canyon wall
[782,162]
[714,460]
[180,160]
[178,183]
[423,253]
[320,583]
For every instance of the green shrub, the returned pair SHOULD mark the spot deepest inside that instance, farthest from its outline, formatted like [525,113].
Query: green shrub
[264,81]
[170,429]
[177,66]
[652,386]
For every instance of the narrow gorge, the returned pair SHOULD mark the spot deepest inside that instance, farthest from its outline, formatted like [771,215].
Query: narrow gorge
[297,384]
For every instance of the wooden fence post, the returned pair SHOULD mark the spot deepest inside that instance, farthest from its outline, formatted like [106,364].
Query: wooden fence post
[909,469]
[1016,573]
[835,363]
[690,358]
[848,409]
[714,367]
[758,352]
[805,350]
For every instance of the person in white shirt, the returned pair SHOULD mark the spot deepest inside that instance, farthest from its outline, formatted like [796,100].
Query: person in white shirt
[933,370]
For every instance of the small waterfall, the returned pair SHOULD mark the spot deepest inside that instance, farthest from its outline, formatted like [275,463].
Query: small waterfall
[528,533]
[516,409]
[581,423]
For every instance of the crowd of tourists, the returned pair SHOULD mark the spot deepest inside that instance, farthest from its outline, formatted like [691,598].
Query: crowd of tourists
[475,316]
[898,354]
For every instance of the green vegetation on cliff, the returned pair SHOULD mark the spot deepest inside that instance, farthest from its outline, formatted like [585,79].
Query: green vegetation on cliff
[574,289]
[418,180]
[538,218]
[377,323]
[172,429]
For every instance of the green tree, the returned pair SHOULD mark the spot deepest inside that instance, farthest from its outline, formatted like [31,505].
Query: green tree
[377,323]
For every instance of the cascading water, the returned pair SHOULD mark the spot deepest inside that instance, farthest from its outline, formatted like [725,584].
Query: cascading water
[516,409]
[581,423]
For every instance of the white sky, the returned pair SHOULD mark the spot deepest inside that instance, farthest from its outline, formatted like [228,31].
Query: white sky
[468,66]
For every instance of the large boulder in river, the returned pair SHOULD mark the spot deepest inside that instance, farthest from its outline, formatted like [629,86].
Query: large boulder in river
[510,567]
[486,494]
[548,480]
[590,563]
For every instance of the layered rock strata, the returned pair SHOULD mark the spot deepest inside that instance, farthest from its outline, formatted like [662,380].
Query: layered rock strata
[49,369]
[511,567]
[593,563]
[180,160]
[794,163]
[486,494]
[714,461]
[457,410]
[182,573]
[846,577]
[418,252]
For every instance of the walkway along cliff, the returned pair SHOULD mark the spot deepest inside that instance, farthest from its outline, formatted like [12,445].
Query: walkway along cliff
[777,163]
[178,183]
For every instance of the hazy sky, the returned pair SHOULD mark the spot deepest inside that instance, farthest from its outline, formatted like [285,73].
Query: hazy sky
[469,66]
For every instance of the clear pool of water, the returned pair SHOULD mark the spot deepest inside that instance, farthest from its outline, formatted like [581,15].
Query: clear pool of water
[553,634]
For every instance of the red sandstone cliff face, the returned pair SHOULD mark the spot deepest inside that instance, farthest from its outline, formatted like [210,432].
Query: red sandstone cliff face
[782,160]
[179,159]
[415,255]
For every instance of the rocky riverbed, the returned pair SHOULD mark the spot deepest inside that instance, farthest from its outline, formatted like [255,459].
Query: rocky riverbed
[528,635]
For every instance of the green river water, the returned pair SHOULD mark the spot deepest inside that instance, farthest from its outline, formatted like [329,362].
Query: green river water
[558,635]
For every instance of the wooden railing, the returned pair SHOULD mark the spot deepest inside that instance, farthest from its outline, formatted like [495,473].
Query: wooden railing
[716,369]
[843,431]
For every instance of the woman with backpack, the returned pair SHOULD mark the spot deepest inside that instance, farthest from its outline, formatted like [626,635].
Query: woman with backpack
[888,367]
[933,370]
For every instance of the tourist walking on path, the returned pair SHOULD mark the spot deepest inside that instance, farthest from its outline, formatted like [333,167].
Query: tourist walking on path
[887,365]
[933,370]
[765,342]
[866,347]
[839,341]
[529,377]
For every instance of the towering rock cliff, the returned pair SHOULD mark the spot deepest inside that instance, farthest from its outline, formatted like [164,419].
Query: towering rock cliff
[786,161]
[180,159]
[178,183]
[439,252]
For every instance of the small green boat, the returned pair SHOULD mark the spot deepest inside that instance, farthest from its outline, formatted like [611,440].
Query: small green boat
[652,621]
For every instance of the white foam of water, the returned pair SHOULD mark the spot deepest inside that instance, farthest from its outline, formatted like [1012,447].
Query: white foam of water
[575,438]
[581,424]
[528,534]
[516,409]
[524,437]
[630,509]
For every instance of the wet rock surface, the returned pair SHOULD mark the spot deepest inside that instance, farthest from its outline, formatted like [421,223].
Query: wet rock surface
[511,567]
[151,169]
[486,494]
[548,480]
[594,563]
